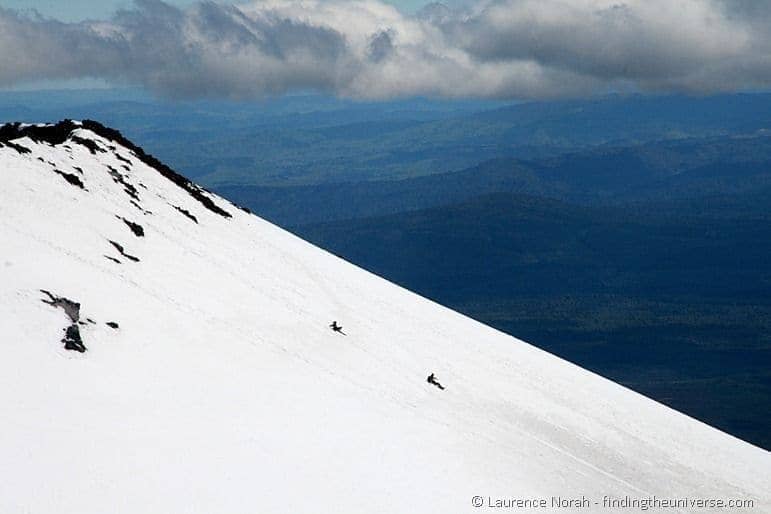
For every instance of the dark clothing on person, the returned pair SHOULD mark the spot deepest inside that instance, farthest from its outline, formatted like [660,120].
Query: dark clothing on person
[433,381]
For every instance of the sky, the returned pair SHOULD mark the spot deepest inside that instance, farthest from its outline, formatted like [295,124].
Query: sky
[79,10]
[508,49]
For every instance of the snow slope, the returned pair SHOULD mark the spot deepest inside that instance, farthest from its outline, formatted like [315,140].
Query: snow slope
[224,391]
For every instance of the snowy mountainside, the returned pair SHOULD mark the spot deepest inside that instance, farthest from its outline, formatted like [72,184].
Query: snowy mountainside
[165,351]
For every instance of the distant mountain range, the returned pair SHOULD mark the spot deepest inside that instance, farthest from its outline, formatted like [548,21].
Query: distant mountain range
[311,139]
[661,171]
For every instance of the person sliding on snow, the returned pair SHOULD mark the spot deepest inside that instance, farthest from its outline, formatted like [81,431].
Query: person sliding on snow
[433,381]
[337,328]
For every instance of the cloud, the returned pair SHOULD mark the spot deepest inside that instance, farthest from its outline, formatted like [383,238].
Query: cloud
[369,49]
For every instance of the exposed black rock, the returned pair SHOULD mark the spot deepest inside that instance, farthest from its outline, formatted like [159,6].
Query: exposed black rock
[91,145]
[244,209]
[72,339]
[112,324]
[78,169]
[71,308]
[120,179]
[72,179]
[130,190]
[186,213]
[62,131]
[51,134]
[121,158]
[194,190]
[19,148]
[121,250]
[113,259]
[136,228]
[144,211]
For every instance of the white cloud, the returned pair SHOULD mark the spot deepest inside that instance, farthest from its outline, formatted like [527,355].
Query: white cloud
[500,48]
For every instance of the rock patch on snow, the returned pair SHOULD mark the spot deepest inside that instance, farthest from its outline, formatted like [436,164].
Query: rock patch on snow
[72,339]
[59,133]
[136,228]
[187,213]
[122,251]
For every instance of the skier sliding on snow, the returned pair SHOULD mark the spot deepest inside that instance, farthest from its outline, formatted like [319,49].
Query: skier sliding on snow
[433,381]
[337,328]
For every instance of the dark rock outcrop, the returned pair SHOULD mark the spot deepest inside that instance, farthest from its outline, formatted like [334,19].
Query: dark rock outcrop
[120,179]
[51,134]
[70,308]
[72,339]
[91,145]
[60,132]
[19,148]
[71,179]
[136,228]
[186,213]
[122,251]
[196,191]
